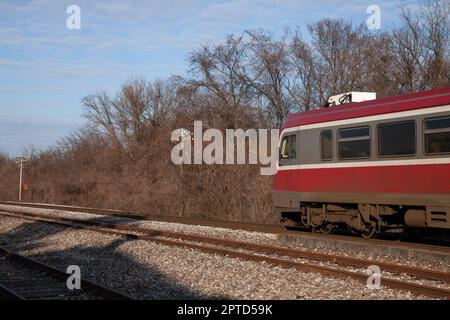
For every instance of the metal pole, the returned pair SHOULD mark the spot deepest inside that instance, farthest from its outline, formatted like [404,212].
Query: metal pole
[20,160]
[20,181]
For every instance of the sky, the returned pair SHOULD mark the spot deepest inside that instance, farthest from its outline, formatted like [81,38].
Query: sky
[46,68]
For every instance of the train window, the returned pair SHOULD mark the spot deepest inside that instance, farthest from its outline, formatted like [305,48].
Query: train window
[397,139]
[288,148]
[354,133]
[437,135]
[326,145]
[437,123]
[354,143]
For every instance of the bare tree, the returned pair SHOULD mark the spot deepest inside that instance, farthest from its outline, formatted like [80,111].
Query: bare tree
[340,55]
[377,74]
[138,107]
[436,24]
[410,53]
[220,70]
[307,85]
[100,112]
[270,68]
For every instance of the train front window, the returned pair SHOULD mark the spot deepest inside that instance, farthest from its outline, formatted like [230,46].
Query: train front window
[397,139]
[354,143]
[288,148]
[437,135]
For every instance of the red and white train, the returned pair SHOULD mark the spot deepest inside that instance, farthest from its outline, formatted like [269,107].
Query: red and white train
[375,166]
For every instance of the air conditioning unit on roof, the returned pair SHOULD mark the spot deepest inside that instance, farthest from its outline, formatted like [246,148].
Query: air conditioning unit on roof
[351,97]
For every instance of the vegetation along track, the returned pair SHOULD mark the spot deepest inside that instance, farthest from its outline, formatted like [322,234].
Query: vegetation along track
[274,255]
[23,278]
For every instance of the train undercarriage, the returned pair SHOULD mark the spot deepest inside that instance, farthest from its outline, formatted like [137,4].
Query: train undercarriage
[367,220]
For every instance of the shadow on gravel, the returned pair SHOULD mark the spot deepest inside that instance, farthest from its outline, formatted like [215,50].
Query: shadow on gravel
[28,235]
[104,264]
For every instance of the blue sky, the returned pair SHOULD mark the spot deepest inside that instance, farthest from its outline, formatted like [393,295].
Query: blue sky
[45,68]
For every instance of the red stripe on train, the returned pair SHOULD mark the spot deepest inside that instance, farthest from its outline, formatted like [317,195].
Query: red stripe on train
[369,108]
[434,178]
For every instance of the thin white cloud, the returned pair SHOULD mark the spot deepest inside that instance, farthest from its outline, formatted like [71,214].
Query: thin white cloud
[41,61]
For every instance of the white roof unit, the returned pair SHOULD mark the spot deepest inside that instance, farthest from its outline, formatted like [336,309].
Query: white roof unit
[349,97]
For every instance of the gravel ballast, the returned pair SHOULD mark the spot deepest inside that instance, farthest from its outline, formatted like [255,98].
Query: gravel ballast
[241,235]
[148,270]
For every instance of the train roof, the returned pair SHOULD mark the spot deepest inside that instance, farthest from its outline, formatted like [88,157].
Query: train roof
[426,99]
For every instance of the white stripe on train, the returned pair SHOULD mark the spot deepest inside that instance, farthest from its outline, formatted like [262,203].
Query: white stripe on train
[360,164]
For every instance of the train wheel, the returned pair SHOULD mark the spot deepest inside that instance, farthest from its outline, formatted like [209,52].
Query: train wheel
[327,228]
[370,233]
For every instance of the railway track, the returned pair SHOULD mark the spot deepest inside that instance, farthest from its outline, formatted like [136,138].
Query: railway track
[155,217]
[257,227]
[332,265]
[23,278]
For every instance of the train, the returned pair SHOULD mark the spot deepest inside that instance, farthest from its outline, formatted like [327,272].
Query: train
[371,166]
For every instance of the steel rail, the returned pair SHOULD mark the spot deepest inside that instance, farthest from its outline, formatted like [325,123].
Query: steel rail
[92,287]
[266,249]
[267,228]
[151,235]
[154,217]
[8,294]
